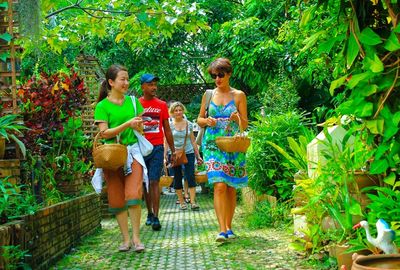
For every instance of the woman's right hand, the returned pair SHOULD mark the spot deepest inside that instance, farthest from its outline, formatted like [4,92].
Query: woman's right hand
[211,122]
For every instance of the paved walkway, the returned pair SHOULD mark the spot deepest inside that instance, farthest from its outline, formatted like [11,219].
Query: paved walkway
[186,241]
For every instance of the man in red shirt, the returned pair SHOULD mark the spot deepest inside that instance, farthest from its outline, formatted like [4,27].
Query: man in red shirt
[156,126]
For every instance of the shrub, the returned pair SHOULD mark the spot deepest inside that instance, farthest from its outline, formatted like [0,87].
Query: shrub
[264,163]
[266,215]
[15,201]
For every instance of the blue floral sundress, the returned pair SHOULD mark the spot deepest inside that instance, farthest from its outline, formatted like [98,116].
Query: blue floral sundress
[221,166]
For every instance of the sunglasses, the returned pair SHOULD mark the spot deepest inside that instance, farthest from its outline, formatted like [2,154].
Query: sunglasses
[219,75]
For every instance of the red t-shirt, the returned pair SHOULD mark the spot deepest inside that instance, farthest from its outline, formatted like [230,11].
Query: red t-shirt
[155,112]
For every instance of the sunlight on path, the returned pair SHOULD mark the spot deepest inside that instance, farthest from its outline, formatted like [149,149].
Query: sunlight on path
[186,241]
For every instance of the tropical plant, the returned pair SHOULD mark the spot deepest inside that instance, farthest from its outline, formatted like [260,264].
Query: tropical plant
[15,201]
[264,163]
[10,127]
[48,101]
[363,43]
[14,257]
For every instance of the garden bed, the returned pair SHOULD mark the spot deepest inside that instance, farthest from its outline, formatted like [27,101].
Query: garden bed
[53,231]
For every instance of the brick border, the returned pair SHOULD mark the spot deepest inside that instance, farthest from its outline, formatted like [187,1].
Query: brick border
[53,231]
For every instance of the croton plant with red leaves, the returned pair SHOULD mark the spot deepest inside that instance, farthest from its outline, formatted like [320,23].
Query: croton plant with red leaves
[47,102]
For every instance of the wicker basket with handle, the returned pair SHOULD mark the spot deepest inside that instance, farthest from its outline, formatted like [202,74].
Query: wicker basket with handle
[110,156]
[236,143]
[201,177]
[166,180]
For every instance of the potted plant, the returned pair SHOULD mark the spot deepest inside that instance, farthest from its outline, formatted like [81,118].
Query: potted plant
[9,128]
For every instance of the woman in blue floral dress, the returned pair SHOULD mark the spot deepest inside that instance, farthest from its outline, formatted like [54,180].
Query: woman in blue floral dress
[226,171]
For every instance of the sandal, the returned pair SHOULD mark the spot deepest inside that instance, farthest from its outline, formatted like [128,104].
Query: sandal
[139,248]
[187,199]
[177,202]
[195,207]
[124,247]
[184,207]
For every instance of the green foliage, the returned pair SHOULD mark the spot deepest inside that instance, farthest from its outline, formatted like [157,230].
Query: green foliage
[366,71]
[58,149]
[11,127]
[13,257]
[279,96]
[266,215]
[15,201]
[264,163]
[193,108]
[297,156]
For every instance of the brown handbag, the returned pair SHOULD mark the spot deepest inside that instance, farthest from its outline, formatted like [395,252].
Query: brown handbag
[181,157]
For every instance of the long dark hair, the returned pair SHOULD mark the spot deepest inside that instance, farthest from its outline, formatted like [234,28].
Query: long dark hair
[111,73]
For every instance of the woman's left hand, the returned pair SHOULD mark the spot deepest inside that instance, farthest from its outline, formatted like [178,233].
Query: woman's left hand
[234,117]
[199,160]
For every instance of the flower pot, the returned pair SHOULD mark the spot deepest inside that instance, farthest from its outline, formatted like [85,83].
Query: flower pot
[339,252]
[366,180]
[387,261]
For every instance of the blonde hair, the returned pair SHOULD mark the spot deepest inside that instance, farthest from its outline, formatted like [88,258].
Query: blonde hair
[174,105]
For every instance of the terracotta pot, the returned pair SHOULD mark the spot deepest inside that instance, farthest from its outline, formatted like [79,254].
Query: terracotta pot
[343,258]
[2,147]
[365,180]
[375,262]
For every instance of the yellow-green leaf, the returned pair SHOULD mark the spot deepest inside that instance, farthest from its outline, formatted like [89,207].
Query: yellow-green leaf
[355,79]
[375,126]
[379,166]
[352,50]
[374,64]
[367,90]
[369,37]
[307,16]
[390,179]
[392,43]
[336,83]
[365,110]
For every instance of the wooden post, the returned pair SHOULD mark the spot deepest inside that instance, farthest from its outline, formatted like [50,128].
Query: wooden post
[12,55]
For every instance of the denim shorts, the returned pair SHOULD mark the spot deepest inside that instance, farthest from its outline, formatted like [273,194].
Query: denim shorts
[155,163]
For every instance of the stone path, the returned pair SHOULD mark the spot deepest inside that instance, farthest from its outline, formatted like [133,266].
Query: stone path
[186,241]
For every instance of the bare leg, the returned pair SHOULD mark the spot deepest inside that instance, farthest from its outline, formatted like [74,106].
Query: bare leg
[230,206]
[155,197]
[122,219]
[180,196]
[134,214]
[185,189]
[192,191]
[220,204]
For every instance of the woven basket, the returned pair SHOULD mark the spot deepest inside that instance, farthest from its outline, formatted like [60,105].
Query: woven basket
[200,177]
[109,156]
[166,180]
[233,144]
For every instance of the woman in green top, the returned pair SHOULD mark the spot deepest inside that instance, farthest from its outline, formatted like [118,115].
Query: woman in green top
[115,115]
